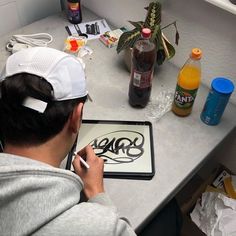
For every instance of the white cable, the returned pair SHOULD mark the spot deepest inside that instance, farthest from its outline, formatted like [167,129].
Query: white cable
[30,40]
[40,39]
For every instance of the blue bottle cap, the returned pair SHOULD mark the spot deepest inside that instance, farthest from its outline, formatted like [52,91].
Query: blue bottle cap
[222,85]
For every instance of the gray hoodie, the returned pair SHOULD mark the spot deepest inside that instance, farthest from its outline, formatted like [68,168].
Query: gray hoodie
[38,199]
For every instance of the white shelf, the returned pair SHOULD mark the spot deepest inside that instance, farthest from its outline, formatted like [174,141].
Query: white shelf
[224,4]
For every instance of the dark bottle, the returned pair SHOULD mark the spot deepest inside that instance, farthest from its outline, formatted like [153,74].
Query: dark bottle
[74,11]
[142,67]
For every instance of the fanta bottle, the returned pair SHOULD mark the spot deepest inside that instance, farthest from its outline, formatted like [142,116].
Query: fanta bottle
[189,79]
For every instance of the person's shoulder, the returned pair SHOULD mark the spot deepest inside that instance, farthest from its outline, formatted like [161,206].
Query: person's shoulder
[88,218]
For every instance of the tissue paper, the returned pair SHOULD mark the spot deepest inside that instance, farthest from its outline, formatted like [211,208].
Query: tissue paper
[215,214]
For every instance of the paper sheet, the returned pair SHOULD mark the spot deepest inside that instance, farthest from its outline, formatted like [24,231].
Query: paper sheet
[215,214]
[92,28]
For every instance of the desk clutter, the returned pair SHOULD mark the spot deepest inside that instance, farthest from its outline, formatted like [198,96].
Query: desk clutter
[143,62]
[188,81]
[98,29]
[111,38]
[208,203]
[91,30]
[215,211]
[19,41]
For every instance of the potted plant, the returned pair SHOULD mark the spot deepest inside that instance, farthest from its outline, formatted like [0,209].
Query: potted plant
[165,50]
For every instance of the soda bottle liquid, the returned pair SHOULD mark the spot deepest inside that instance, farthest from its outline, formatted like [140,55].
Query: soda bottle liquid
[189,79]
[142,68]
[74,13]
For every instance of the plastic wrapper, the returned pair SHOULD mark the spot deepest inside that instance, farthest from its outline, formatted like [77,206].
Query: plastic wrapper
[73,44]
[160,105]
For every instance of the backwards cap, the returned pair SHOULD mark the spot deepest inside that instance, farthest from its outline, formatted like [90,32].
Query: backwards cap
[63,71]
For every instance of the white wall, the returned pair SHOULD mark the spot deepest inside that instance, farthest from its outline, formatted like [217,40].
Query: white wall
[32,10]
[200,24]
[226,154]
[18,13]
[210,28]
[7,8]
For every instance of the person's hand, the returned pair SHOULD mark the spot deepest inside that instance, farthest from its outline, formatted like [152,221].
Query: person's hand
[92,177]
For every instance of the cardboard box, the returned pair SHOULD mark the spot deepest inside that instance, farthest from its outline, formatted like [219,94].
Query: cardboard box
[192,191]
[189,228]
[188,196]
[111,38]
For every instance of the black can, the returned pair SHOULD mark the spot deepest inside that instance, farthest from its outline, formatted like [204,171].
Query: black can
[74,12]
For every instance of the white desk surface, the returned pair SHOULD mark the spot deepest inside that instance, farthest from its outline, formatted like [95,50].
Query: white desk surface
[181,145]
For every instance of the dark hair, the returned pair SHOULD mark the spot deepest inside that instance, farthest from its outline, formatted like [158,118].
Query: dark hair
[20,125]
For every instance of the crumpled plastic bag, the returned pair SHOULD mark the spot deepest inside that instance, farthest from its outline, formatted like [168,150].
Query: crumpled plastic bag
[160,104]
[215,214]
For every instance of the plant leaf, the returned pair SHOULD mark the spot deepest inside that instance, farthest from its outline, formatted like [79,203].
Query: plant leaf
[176,34]
[137,24]
[156,35]
[157,39]
[169,49]
[176,31]
[153,17]
[127,39]
[177,38]
[160,56]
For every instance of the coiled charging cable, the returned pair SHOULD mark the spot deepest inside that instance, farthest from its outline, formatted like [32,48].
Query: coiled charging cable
[18,42]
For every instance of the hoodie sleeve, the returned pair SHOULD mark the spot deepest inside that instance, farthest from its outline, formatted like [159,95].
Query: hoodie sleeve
[104,199]
[96,217]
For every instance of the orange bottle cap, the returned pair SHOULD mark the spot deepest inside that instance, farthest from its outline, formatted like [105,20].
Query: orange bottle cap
[196,53]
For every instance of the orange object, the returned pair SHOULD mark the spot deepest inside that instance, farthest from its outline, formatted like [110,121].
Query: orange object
[196,53]
[74,45]
[73,6]
[189,79]
[229,188]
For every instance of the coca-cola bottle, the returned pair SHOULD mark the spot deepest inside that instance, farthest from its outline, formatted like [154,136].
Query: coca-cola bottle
[142,68]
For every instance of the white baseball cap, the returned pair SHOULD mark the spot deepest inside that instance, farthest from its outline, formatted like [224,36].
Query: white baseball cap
[63,71]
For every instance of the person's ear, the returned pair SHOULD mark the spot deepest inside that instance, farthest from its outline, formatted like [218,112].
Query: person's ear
[76,118]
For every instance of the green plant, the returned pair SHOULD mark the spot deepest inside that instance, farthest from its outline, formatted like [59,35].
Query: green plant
[165,50]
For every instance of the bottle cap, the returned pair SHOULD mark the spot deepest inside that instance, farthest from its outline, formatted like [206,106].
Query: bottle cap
[146,32]
[222,85]
[196,53]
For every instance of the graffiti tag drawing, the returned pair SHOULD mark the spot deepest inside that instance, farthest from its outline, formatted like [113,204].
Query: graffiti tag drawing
[117,147]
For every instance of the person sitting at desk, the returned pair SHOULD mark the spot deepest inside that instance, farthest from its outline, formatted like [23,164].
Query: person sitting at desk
[42,93]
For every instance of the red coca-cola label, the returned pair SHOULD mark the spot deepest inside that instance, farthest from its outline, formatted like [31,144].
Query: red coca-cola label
[142,79]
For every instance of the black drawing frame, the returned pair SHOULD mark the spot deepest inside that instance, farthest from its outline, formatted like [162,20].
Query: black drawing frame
[126,175]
